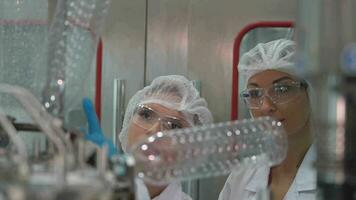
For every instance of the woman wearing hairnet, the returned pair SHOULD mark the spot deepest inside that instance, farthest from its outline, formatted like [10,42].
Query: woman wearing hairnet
[170,102]
[274,89]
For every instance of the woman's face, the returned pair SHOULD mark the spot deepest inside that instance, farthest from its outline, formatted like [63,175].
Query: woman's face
[151,118]
[293,113]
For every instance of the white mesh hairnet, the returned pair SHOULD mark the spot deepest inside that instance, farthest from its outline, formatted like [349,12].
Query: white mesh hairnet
[277,55]
[174,92]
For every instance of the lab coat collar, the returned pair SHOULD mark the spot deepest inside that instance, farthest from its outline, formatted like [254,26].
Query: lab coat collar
[172,191]
[258,180]
[306,175]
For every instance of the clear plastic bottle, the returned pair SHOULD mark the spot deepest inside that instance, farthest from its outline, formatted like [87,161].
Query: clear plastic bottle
[210,150]
[73,38]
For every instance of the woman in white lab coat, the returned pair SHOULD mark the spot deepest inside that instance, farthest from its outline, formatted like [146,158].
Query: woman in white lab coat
[274,89]
[169,102]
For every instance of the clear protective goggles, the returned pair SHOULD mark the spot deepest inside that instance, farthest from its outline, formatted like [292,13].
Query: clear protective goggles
[278,93]
[146,117]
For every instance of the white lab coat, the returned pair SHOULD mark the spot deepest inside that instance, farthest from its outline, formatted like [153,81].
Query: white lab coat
[245,184]
[172,192]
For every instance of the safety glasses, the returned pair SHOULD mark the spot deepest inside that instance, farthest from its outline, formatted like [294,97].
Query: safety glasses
[146,117]
[278,93]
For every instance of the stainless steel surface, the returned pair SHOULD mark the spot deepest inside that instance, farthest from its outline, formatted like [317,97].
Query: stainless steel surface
[195,38]
[124,53]
[121,105]
[119,108]
[167,37]
[116,101]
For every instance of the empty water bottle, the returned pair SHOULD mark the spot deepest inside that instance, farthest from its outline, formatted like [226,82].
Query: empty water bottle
[210,150]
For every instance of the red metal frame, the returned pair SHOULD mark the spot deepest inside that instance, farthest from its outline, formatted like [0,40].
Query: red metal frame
[236,53]
[99,67]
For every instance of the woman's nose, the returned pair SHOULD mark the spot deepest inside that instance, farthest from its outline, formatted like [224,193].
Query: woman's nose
[267,106]
[156,127]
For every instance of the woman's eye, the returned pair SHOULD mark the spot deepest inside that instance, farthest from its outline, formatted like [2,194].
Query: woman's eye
[282,89]
[254,93]
[174,125]
[145,113]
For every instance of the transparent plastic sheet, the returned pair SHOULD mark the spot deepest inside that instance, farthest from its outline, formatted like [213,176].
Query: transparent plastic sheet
[210,150]
[73,38]
[23,31]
